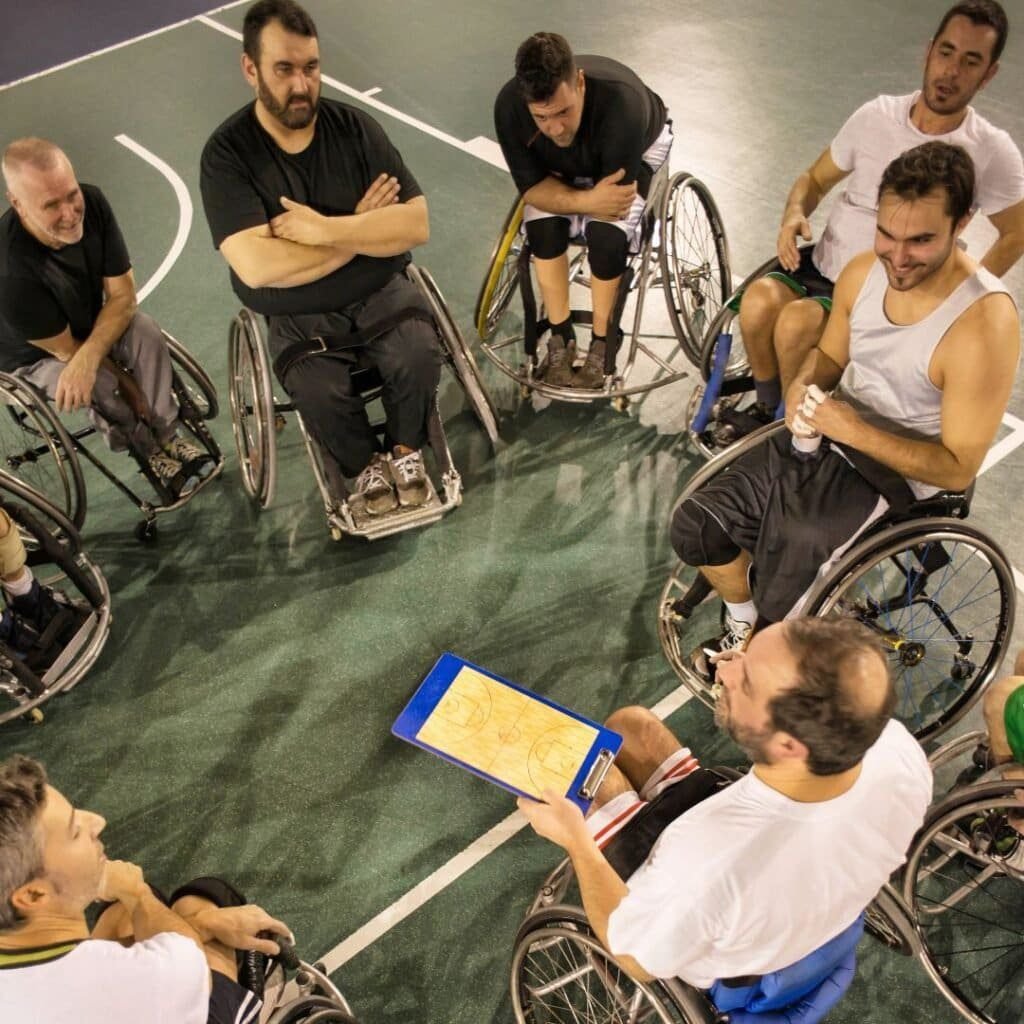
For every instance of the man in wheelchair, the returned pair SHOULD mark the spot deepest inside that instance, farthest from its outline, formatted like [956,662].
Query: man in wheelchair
[582,137]
[69,319]
[784,313]
[145,959]
[683,875]
[921,347]
[315,212]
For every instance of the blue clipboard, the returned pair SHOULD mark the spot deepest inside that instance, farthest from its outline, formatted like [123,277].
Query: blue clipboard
[477,728]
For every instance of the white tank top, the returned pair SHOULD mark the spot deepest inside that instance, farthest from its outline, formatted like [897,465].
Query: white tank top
[886,380]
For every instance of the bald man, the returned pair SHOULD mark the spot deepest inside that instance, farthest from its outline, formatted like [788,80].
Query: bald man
[685,876]
[69,319]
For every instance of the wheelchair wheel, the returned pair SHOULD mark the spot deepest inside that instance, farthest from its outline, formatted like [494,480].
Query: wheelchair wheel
[36,448]
[193,386]
[500,283]
[940,596]
[561,974]
[965,885]
[252,407]
[458,354]
[694,258]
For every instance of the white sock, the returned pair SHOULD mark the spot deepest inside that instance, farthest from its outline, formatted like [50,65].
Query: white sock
[744,611]
[22,585]
[675,767]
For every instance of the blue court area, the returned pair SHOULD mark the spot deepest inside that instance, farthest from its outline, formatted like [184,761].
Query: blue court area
[238,721]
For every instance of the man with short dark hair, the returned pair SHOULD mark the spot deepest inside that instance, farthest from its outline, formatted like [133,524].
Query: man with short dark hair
[783,314]
[921,347]
[315,213]
[684,876]
[69,319]
[144,961]
[582,136]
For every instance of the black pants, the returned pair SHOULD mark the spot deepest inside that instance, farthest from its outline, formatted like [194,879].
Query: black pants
[407,358]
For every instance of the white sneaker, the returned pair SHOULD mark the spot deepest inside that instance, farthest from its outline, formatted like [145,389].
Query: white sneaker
[410,478]
[374,486]
[733,637]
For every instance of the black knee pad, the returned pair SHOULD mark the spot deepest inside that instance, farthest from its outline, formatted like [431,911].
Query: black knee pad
[698,538]
[216,890]
[548,237]
[607,250]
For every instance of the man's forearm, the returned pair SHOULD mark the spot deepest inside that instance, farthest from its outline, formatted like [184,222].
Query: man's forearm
[803,198]
[554,196]
[1003,254]
[112,322]
[384,232]
[817,368]
[150,917]
[277,263]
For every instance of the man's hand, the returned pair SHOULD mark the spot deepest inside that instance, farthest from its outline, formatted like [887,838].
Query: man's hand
[76,381]
[382,192]
[835,419]
[122,882]
[608,200]
[786,247]
[555,818]
[239,927]
[300,224]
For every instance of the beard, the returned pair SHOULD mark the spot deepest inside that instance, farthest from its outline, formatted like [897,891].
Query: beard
[292,114]
[753,742]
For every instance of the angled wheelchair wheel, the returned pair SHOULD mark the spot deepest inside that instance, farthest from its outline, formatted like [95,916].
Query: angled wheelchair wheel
[252,407]
[36,448]
[965,885]
[499,286]
[561,974]
[694,258]
[940,596]
[194,389]
[458,353]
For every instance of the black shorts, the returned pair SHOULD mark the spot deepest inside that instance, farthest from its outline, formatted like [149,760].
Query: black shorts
[230,1003]
[632,845]
[807,280]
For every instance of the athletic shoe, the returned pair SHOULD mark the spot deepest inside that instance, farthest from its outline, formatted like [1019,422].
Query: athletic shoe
[39,624]
[591,373]
[993,835]
[410,479]
[556,369]
[981,762]
[192,459]
[733,424]
[733,637]
[373,485]
[170,472]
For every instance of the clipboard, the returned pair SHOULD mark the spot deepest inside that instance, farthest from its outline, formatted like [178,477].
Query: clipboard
[506,734]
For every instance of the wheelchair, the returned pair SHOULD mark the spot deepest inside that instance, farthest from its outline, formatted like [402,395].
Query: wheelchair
[54,552]
[939,595]
[257,416]
[37,446]
[682,250]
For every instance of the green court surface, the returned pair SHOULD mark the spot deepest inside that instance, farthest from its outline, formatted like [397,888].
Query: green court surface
[238,721]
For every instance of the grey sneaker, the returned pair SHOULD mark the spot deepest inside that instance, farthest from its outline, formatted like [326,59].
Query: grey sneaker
[410,478]
[172,474]
[591,373]
[734,636]
[193,459]
[374,486]
[557,370]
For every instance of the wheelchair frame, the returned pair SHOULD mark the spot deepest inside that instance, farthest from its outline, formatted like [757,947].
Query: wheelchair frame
[690,287]
[50,438]
[256,415]
[882,540]
[51,539]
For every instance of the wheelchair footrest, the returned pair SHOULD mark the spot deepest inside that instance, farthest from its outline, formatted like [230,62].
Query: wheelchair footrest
[373,527]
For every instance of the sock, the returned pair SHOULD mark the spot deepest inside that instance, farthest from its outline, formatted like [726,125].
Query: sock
[769,392]
[675,767]
[743,611]
[564,330]
[22,585]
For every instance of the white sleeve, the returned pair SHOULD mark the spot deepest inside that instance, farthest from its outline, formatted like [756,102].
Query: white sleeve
[171,976]
[851,137]
[1001,184]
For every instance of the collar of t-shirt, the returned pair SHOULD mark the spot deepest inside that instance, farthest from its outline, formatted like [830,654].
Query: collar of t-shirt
[965,124]
[11,958]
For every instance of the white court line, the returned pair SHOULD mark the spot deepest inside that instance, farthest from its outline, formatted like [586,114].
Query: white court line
[1002,448]
[184,212]
[114,46]
[477,147]
[372,92]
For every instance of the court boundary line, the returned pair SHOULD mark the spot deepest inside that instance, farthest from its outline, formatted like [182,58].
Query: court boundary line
[185,213]
[116,46]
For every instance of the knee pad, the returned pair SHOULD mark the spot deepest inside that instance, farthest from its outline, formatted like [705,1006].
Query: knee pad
[548,237]
[607,250]
[12,550]
[698,538]
[216,890]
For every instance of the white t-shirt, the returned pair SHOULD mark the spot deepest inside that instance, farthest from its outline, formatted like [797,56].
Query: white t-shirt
[750,881]
[163,980]
[872,138]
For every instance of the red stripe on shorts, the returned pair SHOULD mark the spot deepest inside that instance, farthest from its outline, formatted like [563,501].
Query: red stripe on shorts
[607,833]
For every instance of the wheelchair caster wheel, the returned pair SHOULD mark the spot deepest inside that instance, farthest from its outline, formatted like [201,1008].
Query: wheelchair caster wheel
[146,531]
[621,404]
[524,391]
[34,717]
[279,422]
[336,533]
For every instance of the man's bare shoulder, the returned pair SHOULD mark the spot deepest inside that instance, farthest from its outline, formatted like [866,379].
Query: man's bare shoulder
[986,333]
[851,280]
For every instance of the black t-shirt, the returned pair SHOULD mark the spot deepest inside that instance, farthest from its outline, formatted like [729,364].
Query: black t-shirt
[244,173]
[621,119]
[44,290]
